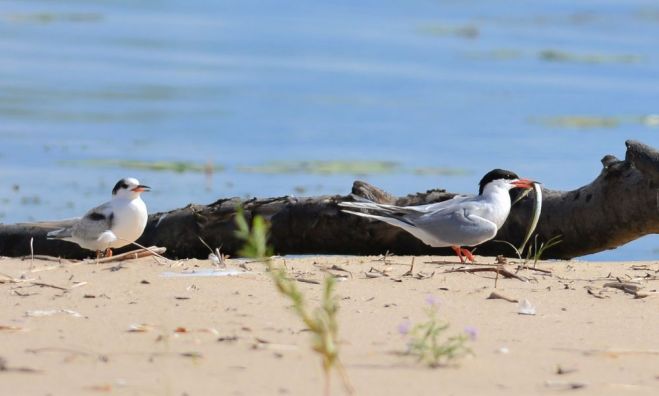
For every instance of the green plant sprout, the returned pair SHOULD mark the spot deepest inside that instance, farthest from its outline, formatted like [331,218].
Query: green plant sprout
[428,344]
[538,251]
[256,239]
[534,252]
[321,321]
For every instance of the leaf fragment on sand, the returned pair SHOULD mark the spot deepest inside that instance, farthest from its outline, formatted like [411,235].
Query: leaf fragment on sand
[597,293]
[525,308]
[12,329]
[193,355]
[209,330]
[185,330]
[227,339]
[103,388]
[644,294]
[567,385]
[498,296]
[139,328]
[627,287]
[503,350]
[560,370]
[305,280]
[205,272]
[50,312]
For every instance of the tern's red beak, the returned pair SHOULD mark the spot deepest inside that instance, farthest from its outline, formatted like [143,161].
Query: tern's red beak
[523,183]
[141,188]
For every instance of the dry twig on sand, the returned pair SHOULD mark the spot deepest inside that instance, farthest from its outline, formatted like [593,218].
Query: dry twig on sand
[410,272]
[135,254]
[498,296]
[611,352]
[502,271]
[4,278]
[627,287]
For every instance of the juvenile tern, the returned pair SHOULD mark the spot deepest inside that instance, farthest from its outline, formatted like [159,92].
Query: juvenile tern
[113,224]
[457,222]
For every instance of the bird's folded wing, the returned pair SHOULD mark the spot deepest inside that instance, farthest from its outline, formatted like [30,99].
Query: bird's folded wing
[56,229]
[51,224]
[94,223]
[406,210]
[457,227]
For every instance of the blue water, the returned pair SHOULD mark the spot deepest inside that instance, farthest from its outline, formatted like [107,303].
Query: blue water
[459,84]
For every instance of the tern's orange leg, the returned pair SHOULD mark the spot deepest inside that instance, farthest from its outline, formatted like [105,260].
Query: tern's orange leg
[468,254]
[458,252]
[108,252]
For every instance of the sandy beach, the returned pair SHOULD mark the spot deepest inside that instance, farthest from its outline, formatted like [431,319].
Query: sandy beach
[140,327]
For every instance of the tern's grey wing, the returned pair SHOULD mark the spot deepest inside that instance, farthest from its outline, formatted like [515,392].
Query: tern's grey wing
[397,211]
[454,222]
[461,226]
[94,223]
[376,207]
[52,224]
[443,205]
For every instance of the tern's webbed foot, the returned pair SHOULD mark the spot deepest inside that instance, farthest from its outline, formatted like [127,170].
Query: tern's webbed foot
[101,254]
[458,252]
[463,254]
[468,255]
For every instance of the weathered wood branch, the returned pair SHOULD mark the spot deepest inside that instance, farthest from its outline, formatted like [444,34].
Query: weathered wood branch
[620,205]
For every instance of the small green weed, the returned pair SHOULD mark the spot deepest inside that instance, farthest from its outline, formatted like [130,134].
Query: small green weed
[427,341]
[321,321]
[538,251]
[534,252]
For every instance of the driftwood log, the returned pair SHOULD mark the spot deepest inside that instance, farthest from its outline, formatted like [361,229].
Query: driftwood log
[620,205]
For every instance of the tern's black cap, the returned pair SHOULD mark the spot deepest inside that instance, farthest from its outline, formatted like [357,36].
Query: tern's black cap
[120,184]
[496,174]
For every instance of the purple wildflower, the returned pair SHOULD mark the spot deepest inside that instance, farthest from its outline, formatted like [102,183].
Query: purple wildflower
[404,327]
[432,300]
[472,332]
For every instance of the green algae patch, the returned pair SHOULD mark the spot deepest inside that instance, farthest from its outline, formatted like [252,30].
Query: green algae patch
[501,54]
[551,55]
[581,122]
[53,17]
[443,30]
[324,167]
[157,166]
[597,122]
[440,171]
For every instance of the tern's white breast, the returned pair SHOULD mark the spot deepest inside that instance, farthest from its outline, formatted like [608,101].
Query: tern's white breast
[495,205]
[129,220]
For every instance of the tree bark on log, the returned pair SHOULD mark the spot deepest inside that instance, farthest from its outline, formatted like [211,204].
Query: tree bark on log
[620,205]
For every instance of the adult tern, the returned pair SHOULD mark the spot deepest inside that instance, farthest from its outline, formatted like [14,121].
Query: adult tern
[457,222]
[113,224]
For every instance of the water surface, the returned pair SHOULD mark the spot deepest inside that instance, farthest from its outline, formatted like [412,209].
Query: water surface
[442,91]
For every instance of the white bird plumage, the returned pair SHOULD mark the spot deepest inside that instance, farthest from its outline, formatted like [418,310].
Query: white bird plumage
[114,224]
[460,221]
